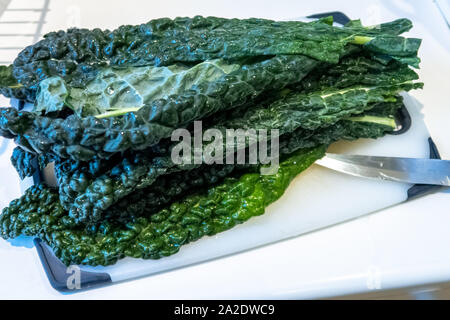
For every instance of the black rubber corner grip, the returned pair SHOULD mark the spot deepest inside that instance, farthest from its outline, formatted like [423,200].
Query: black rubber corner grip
[68,279]
[419,190]
[403,120]
[338,17]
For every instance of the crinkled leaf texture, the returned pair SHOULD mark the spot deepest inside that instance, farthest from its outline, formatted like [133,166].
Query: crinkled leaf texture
[116,91]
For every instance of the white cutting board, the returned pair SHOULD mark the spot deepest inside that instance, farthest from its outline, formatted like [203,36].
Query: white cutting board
[317,198]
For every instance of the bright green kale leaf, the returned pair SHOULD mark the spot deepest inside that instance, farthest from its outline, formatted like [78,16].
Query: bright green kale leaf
[220,208]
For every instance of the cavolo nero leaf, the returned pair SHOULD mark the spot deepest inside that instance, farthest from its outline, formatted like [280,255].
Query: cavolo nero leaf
[203,213]
[26,163]
[166,188]
[297,110]
[309,110]
[356,69]
[395,27]
[219,209]
[52,223]
[10,88]
[75,177]
[107,101]
[6,77]
[90,137]
[116,91]
[77,54]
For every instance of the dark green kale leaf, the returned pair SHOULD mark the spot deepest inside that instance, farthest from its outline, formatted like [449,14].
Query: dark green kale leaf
[395,27]
[87,195]
[10,88]
[296,110]
[26,163]
[116,91]
[88,138]
[39,213]
[358,68]
[144,202]
[77,54]
[233,202]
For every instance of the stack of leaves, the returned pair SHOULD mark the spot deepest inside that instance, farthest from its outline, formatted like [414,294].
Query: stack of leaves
[105,104]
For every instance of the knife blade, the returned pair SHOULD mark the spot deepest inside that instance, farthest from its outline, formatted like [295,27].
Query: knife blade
[408,170]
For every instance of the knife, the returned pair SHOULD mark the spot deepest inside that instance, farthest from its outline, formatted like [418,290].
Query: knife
[408,170]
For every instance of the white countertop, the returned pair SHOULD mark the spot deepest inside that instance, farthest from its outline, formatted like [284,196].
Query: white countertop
[406,245]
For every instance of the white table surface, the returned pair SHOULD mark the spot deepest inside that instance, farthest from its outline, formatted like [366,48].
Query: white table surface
[407,245]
